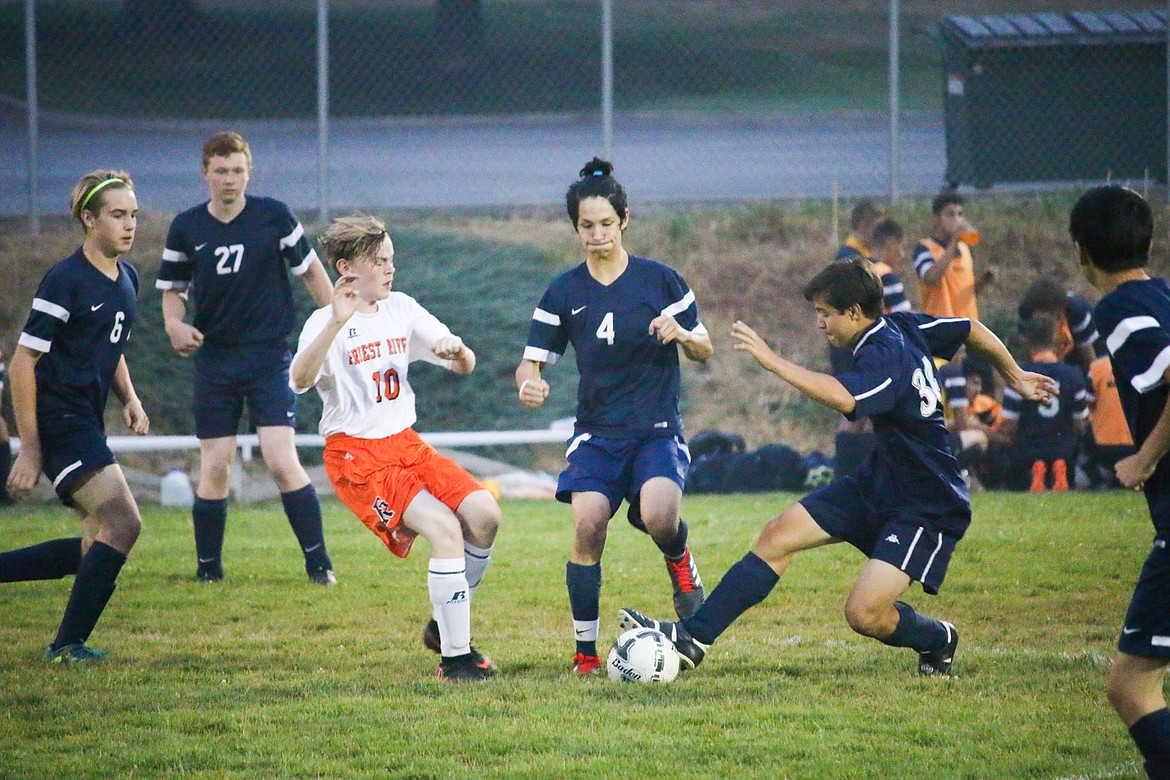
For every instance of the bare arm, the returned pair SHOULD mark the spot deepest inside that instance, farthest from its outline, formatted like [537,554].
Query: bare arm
[22,373]
[452,348]
[1030,385]
[307,364]
[825,389]
[317,282]
[533,390]
[1134,470]
[185,338]
[936,272]
[132,412]
[696,344]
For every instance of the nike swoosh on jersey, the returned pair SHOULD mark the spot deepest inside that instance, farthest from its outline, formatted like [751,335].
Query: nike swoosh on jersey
[200,246]
[578,311]
[1127,631]
[95,308]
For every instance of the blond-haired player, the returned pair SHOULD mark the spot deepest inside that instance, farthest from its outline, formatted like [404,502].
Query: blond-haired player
[356,352]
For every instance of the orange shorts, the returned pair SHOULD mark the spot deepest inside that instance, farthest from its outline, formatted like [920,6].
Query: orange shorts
[378,478]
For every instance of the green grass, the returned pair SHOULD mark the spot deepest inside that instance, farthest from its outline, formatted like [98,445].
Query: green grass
[265,676]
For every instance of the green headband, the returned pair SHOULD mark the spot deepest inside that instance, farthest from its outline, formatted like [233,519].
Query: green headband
[111,180]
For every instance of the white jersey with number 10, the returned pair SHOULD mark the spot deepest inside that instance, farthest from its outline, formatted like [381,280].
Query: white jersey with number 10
[363,382]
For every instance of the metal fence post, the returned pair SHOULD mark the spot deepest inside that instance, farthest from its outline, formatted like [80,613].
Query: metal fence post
[30,69]
[607,78]
[895,108]
[322,110]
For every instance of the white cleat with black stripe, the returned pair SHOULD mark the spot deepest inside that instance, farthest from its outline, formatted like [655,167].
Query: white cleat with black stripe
[690,651]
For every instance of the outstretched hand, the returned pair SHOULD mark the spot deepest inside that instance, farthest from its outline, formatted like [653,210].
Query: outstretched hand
[345,299]
[747,340]
[1035,387]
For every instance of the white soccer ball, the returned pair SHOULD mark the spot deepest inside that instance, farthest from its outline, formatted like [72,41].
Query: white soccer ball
[642,655]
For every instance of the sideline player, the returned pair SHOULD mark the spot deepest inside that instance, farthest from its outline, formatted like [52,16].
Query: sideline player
[624,316]
[357,351]
[234,252]
[906,509]
[67,360]
[1112,229]
[948,286]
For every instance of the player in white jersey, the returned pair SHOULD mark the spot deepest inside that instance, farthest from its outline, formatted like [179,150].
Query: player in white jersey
[357,352]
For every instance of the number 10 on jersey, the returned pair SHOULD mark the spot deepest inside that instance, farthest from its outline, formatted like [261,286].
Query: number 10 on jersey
[386,385]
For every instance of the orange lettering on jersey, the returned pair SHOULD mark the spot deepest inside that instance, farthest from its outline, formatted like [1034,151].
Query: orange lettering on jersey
[394,346]
[371,351]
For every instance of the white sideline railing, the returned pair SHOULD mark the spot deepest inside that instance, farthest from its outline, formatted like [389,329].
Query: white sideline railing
[249,442]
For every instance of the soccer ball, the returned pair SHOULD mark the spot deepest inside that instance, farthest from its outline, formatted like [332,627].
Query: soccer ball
[642,655]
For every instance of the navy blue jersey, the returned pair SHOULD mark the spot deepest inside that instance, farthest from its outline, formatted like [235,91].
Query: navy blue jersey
[238,271]
[629,381]
[1047,431]
[911,471]
[894,293]
[80,321]
[1134,321]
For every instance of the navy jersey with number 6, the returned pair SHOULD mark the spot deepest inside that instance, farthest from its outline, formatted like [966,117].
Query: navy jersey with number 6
[80,321]
[911,471]
[1134,320]
[238,270]
[630,382]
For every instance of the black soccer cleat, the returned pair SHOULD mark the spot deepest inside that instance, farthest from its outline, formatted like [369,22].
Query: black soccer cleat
[938,662]
[431,641]
[464,668]
[690,651]
[205,574]
[688,586]
[322,576]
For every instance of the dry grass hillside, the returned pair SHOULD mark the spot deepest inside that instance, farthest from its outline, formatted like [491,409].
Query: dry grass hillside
[745,261]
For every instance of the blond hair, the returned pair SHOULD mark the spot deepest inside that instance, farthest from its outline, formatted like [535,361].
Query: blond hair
[352,238]
[89,194]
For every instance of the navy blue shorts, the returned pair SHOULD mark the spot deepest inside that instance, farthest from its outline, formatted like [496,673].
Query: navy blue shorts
[912,544]
[70,453]
[1147,621]
[226,377]
[617,468]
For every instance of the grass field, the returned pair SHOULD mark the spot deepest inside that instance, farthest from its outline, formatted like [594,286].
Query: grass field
[265,676]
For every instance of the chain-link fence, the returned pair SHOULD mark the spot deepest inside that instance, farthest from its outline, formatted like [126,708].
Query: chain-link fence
[759,98]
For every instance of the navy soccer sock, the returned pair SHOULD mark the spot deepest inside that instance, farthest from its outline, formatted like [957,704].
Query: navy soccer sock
[209,516]
[304,515]
[677,546]
[584,584]
[5,467]
[745,584]
[1151,734]
[50,560]
[92,588]
[916,631]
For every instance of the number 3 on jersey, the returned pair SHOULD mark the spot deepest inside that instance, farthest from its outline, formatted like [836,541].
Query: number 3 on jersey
[927,386]
[385,385]
[605,329]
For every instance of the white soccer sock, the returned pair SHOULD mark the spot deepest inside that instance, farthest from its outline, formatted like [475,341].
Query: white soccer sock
[477,559]
[451,604]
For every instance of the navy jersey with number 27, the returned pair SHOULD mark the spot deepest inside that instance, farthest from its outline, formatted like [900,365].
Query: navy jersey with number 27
[911,471]
[80,321]
[629,384]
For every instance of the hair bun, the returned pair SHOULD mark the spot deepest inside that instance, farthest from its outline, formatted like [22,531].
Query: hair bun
[597,167]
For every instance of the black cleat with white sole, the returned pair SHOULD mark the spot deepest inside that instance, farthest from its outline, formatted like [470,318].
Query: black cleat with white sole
[937,663]
[690,651]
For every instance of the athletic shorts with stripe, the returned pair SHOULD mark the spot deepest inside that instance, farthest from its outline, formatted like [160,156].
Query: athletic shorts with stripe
[72,452]
[617,468]
[378,478]
[1146,632]
[912,544]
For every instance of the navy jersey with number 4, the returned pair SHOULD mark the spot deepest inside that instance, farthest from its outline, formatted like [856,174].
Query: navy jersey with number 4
[1134,321]
[911,471]
[239,270]
[80,321]
[630,382]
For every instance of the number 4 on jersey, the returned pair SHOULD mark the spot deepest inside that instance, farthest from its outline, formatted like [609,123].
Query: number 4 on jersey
[605,329]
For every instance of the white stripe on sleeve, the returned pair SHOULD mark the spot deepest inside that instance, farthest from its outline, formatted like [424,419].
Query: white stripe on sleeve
[171,256]
[874,391]
[1127,328]
[547,317]
[33,343]
[1153,376]
[50,308]
[292,238]
[679,306]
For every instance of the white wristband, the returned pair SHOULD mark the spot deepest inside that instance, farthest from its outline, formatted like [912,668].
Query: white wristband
[523,385]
